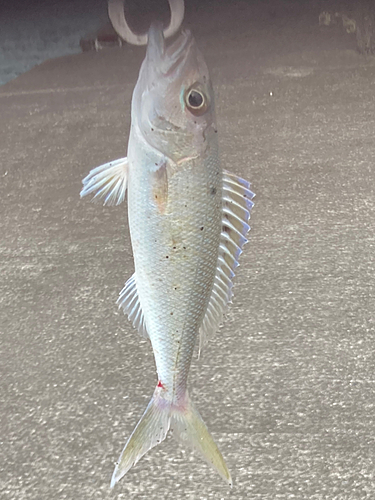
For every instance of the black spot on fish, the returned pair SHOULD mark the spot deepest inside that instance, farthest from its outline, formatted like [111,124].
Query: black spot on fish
[213,191]
[202,228]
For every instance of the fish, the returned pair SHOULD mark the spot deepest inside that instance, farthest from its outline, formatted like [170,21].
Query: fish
[188,221]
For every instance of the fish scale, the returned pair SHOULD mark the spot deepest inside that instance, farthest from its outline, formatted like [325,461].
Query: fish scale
[179,227]
[188,221]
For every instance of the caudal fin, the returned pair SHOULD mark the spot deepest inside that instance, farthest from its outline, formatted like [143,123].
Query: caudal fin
[151,430]
[188,427]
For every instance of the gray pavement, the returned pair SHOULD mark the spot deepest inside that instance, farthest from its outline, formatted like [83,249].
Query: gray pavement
[287,384]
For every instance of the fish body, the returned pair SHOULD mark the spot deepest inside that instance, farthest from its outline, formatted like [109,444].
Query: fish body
[188,220]
[174,202]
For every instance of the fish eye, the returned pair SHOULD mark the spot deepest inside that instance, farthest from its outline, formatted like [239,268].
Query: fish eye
[196,101]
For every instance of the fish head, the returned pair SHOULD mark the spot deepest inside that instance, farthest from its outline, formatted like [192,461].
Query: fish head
[173,103]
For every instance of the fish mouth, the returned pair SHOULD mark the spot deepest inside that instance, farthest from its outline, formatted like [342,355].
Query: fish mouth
[169,59]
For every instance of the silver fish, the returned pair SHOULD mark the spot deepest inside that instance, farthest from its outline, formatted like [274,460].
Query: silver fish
[188,222]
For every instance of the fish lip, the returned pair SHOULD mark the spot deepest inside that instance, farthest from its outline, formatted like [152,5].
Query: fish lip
[167,59]
[178,51]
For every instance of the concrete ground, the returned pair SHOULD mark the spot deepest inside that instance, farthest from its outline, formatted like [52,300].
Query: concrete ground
[287,384]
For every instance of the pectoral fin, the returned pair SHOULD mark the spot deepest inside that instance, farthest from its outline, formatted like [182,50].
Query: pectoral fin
[108,182]
[159,182]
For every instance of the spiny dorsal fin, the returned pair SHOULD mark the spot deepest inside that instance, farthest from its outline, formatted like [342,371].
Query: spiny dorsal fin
[130,304]
[237,205]
[109,181]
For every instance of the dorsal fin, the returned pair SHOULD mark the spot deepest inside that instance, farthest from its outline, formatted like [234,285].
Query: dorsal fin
[128,300]
[237,205]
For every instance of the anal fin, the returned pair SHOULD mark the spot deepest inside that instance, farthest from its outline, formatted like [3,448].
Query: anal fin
[129,301]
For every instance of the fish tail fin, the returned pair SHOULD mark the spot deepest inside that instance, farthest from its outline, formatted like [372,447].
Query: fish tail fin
[151,430]
[189,428]
[187,425]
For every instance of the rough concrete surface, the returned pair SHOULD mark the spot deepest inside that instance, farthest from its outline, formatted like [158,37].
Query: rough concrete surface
[287,384]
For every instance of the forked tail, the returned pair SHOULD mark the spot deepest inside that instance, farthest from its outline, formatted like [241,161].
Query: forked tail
[187,425]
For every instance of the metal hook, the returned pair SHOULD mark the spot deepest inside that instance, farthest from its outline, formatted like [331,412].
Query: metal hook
[117,17]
